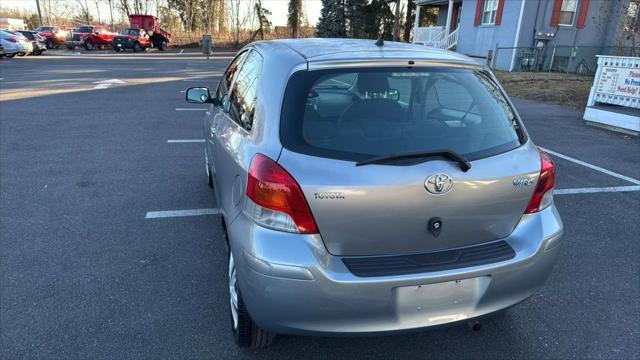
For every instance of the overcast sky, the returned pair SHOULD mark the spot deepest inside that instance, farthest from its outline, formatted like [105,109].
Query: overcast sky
[278,8]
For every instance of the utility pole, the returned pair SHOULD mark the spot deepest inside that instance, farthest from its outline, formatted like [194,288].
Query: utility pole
[396,23]
[39,13]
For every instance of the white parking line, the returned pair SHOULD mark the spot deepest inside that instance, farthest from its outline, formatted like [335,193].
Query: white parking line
[594,190]
[216,211]
[190,109]
[179,213]
[185,141]
[593,167]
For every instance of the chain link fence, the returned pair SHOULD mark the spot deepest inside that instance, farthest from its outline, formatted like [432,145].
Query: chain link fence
[564,59]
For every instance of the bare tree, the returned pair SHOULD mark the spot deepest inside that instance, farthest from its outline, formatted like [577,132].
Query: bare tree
[396,22]
[84,14]
[238,18]
[264,24]
[409,19]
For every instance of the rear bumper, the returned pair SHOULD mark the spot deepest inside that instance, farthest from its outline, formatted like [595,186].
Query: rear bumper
[291,284]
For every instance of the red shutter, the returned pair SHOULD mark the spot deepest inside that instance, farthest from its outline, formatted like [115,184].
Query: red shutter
[555,15]
[454,17]
[476,21]
[500,10]
[582,15]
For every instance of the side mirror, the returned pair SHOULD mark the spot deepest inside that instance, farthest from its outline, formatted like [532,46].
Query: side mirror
[199,95]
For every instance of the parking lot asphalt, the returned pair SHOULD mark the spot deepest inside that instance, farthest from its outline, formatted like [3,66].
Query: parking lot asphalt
[85,155]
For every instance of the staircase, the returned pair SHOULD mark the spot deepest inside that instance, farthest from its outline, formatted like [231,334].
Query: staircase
[434,36]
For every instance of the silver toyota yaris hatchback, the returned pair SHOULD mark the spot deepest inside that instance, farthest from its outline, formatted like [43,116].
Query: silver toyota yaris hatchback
[370,188]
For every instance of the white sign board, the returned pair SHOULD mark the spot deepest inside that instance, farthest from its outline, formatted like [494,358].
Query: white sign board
[619,82]
[614,100]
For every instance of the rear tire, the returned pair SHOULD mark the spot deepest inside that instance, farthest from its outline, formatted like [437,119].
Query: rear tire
[137,47]
[245,332]
[49,44]
[10,55]
[162,45]
[88,45]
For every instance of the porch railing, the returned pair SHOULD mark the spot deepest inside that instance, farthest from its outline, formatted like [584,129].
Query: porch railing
[435,36]
[450,40]
[428,35]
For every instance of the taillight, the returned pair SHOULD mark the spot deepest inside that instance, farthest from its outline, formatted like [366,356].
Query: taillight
[543,195]
[275,199]
[13,40]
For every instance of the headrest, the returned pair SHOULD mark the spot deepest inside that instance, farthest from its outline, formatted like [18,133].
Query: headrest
[372,82]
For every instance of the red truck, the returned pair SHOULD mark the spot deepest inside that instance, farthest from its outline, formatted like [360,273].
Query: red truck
[54,35]
[143,32]
[91,36]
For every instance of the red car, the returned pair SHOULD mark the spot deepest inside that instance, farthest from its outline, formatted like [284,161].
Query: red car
[54,35]
[136,39]
[91,36]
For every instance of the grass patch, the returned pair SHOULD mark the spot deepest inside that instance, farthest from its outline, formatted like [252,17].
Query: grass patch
[552,88]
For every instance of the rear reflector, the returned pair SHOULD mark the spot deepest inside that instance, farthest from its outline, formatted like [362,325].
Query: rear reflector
[276,199]
[543,195]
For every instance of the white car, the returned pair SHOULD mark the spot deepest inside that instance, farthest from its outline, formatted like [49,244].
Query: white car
[15,43]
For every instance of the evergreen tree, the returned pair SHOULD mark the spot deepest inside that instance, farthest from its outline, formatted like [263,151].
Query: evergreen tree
[295,16]
[355,16]
[378,20]
[332,22]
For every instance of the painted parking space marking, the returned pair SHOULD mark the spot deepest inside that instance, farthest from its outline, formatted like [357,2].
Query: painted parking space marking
[185,141]
[105,84]
[593,167]
[191,109]
[181,213]
[595,190]
[574,191]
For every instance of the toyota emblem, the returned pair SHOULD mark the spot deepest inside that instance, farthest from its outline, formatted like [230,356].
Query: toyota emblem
[438,184]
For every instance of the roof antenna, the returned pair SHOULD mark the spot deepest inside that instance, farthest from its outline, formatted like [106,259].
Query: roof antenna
[380,41]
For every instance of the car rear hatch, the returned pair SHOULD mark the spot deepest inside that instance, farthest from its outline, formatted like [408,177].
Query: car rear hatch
[387,209]
[120,40]
[331,120]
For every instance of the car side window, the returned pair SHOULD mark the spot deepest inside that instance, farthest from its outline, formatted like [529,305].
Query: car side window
[227,80]
[244,91]
[453,96]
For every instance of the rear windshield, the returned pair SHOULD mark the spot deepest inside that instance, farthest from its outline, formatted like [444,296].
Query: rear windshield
[353,115]
[44,29]
[131,32]
[83,29]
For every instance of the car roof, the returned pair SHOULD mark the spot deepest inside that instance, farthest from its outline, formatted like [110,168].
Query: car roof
[318,49]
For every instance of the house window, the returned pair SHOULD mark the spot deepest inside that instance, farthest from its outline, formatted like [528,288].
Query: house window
[489,11]
[568,12]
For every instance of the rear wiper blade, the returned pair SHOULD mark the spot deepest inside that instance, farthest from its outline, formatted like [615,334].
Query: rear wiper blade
[465,165]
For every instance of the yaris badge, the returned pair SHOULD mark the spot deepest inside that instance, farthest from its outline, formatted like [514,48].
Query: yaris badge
[438,184]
